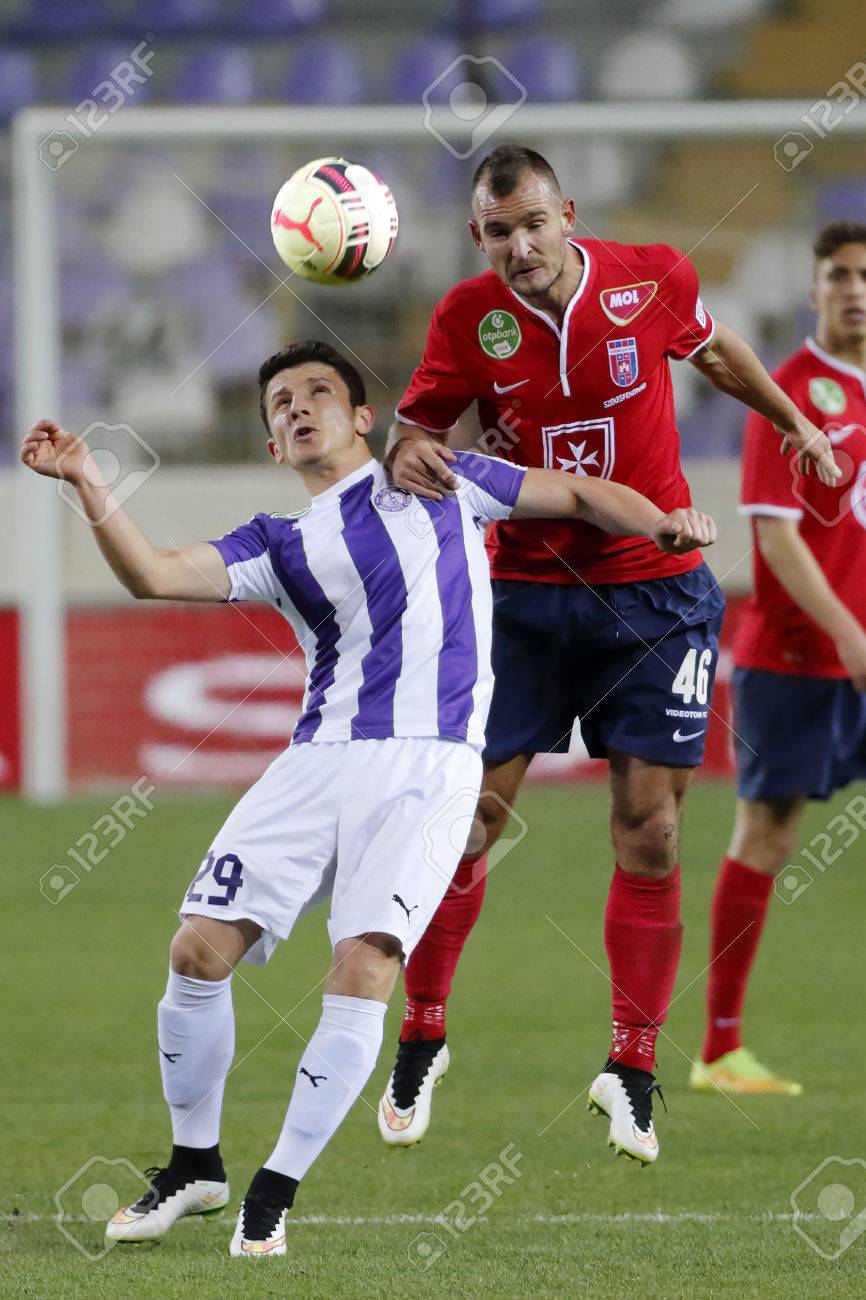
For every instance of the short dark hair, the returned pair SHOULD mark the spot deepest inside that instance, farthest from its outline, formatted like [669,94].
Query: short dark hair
[297,354]
[502,169]
[838,233]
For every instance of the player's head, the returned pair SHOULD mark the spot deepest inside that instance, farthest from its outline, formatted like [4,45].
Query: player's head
[839,285]
[314,406]
[520,219]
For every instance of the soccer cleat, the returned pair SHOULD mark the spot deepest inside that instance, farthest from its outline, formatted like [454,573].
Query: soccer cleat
[625,1096]
[261,1227]
[404,1109]
[740,1072]
[173,1195]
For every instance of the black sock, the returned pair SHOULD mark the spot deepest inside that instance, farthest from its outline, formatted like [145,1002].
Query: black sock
[199,1162]
[274,1187]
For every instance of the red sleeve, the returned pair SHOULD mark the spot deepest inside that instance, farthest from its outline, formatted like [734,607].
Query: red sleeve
[438,391]
[690,323]
[768,478]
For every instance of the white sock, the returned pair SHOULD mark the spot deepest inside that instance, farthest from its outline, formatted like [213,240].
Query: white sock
[336,1064]
[196,1035]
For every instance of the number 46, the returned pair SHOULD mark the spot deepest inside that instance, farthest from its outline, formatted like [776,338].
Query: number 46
[693,679]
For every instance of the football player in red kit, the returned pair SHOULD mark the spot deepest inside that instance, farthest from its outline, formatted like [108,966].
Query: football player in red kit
[564,345]
[799,652]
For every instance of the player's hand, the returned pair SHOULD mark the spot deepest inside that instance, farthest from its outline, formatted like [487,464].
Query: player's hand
[851,650]
[48,449]
[420,465]
[684,530]
[813,448]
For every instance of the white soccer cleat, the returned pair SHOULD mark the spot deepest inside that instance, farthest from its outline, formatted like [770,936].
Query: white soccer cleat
[625,1095]
[172,1196]
[404,1108]
[260,1230]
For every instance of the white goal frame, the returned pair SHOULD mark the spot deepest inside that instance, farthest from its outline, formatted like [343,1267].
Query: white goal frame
[38,346]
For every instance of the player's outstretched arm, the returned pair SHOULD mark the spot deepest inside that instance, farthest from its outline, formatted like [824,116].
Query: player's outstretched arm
[418,461]
[613,507]
[195,572]
[732,367]
[793,563]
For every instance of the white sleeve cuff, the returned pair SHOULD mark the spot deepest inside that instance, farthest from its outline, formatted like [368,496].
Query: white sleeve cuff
[705,342]
[772,512]
[402,419]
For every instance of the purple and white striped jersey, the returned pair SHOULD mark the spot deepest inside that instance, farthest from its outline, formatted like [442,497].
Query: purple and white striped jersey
[389,597]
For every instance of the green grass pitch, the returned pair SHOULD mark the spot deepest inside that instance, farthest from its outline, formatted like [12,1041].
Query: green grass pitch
[528,1030]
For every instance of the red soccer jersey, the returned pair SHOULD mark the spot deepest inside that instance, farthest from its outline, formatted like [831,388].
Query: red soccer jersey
[773,632]
[592,398]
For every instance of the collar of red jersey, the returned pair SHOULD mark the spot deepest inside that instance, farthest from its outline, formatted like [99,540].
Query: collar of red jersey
[573,300]
[829,360]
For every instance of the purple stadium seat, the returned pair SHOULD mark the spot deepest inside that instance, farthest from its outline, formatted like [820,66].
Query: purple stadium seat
[246,216]
[326,72]
[712,428]
[843,199]
[277,16]
[96,65]
[47,19]
[172,17]
[219,74]
[421,63]
[548,69]
[496,13]
[18,83]
[90,286]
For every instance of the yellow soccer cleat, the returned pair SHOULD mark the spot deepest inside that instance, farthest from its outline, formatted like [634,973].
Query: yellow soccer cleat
[739,1072]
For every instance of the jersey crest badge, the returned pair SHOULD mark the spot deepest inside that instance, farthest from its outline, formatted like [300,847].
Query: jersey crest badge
[392,499]
[623,304]
[499,334]
[622,360]
[827,395]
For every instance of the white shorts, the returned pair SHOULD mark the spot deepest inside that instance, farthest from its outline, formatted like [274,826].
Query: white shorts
[377,826]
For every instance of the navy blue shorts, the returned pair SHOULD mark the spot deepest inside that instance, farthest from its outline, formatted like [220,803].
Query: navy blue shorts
[634,662]
[795,736]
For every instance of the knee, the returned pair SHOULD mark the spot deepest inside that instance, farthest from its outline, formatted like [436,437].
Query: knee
[366,966]
[489,821]
[646,843]
[766,847]
[191,955]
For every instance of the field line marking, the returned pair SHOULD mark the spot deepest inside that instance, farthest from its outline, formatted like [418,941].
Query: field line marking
[399,1220]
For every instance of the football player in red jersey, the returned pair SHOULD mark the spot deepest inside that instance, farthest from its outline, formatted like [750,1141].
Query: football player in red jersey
[799,654]
[564,345]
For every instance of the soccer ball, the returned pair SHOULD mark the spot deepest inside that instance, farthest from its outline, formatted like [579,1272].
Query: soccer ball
[334,221]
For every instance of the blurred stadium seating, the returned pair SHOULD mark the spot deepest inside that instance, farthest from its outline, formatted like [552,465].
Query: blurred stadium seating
[318,52]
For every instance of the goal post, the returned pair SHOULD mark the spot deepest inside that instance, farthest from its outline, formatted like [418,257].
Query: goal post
[42,601]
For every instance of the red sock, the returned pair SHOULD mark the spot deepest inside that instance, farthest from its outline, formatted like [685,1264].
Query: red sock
[739,911]
[643,936]
[431,967]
